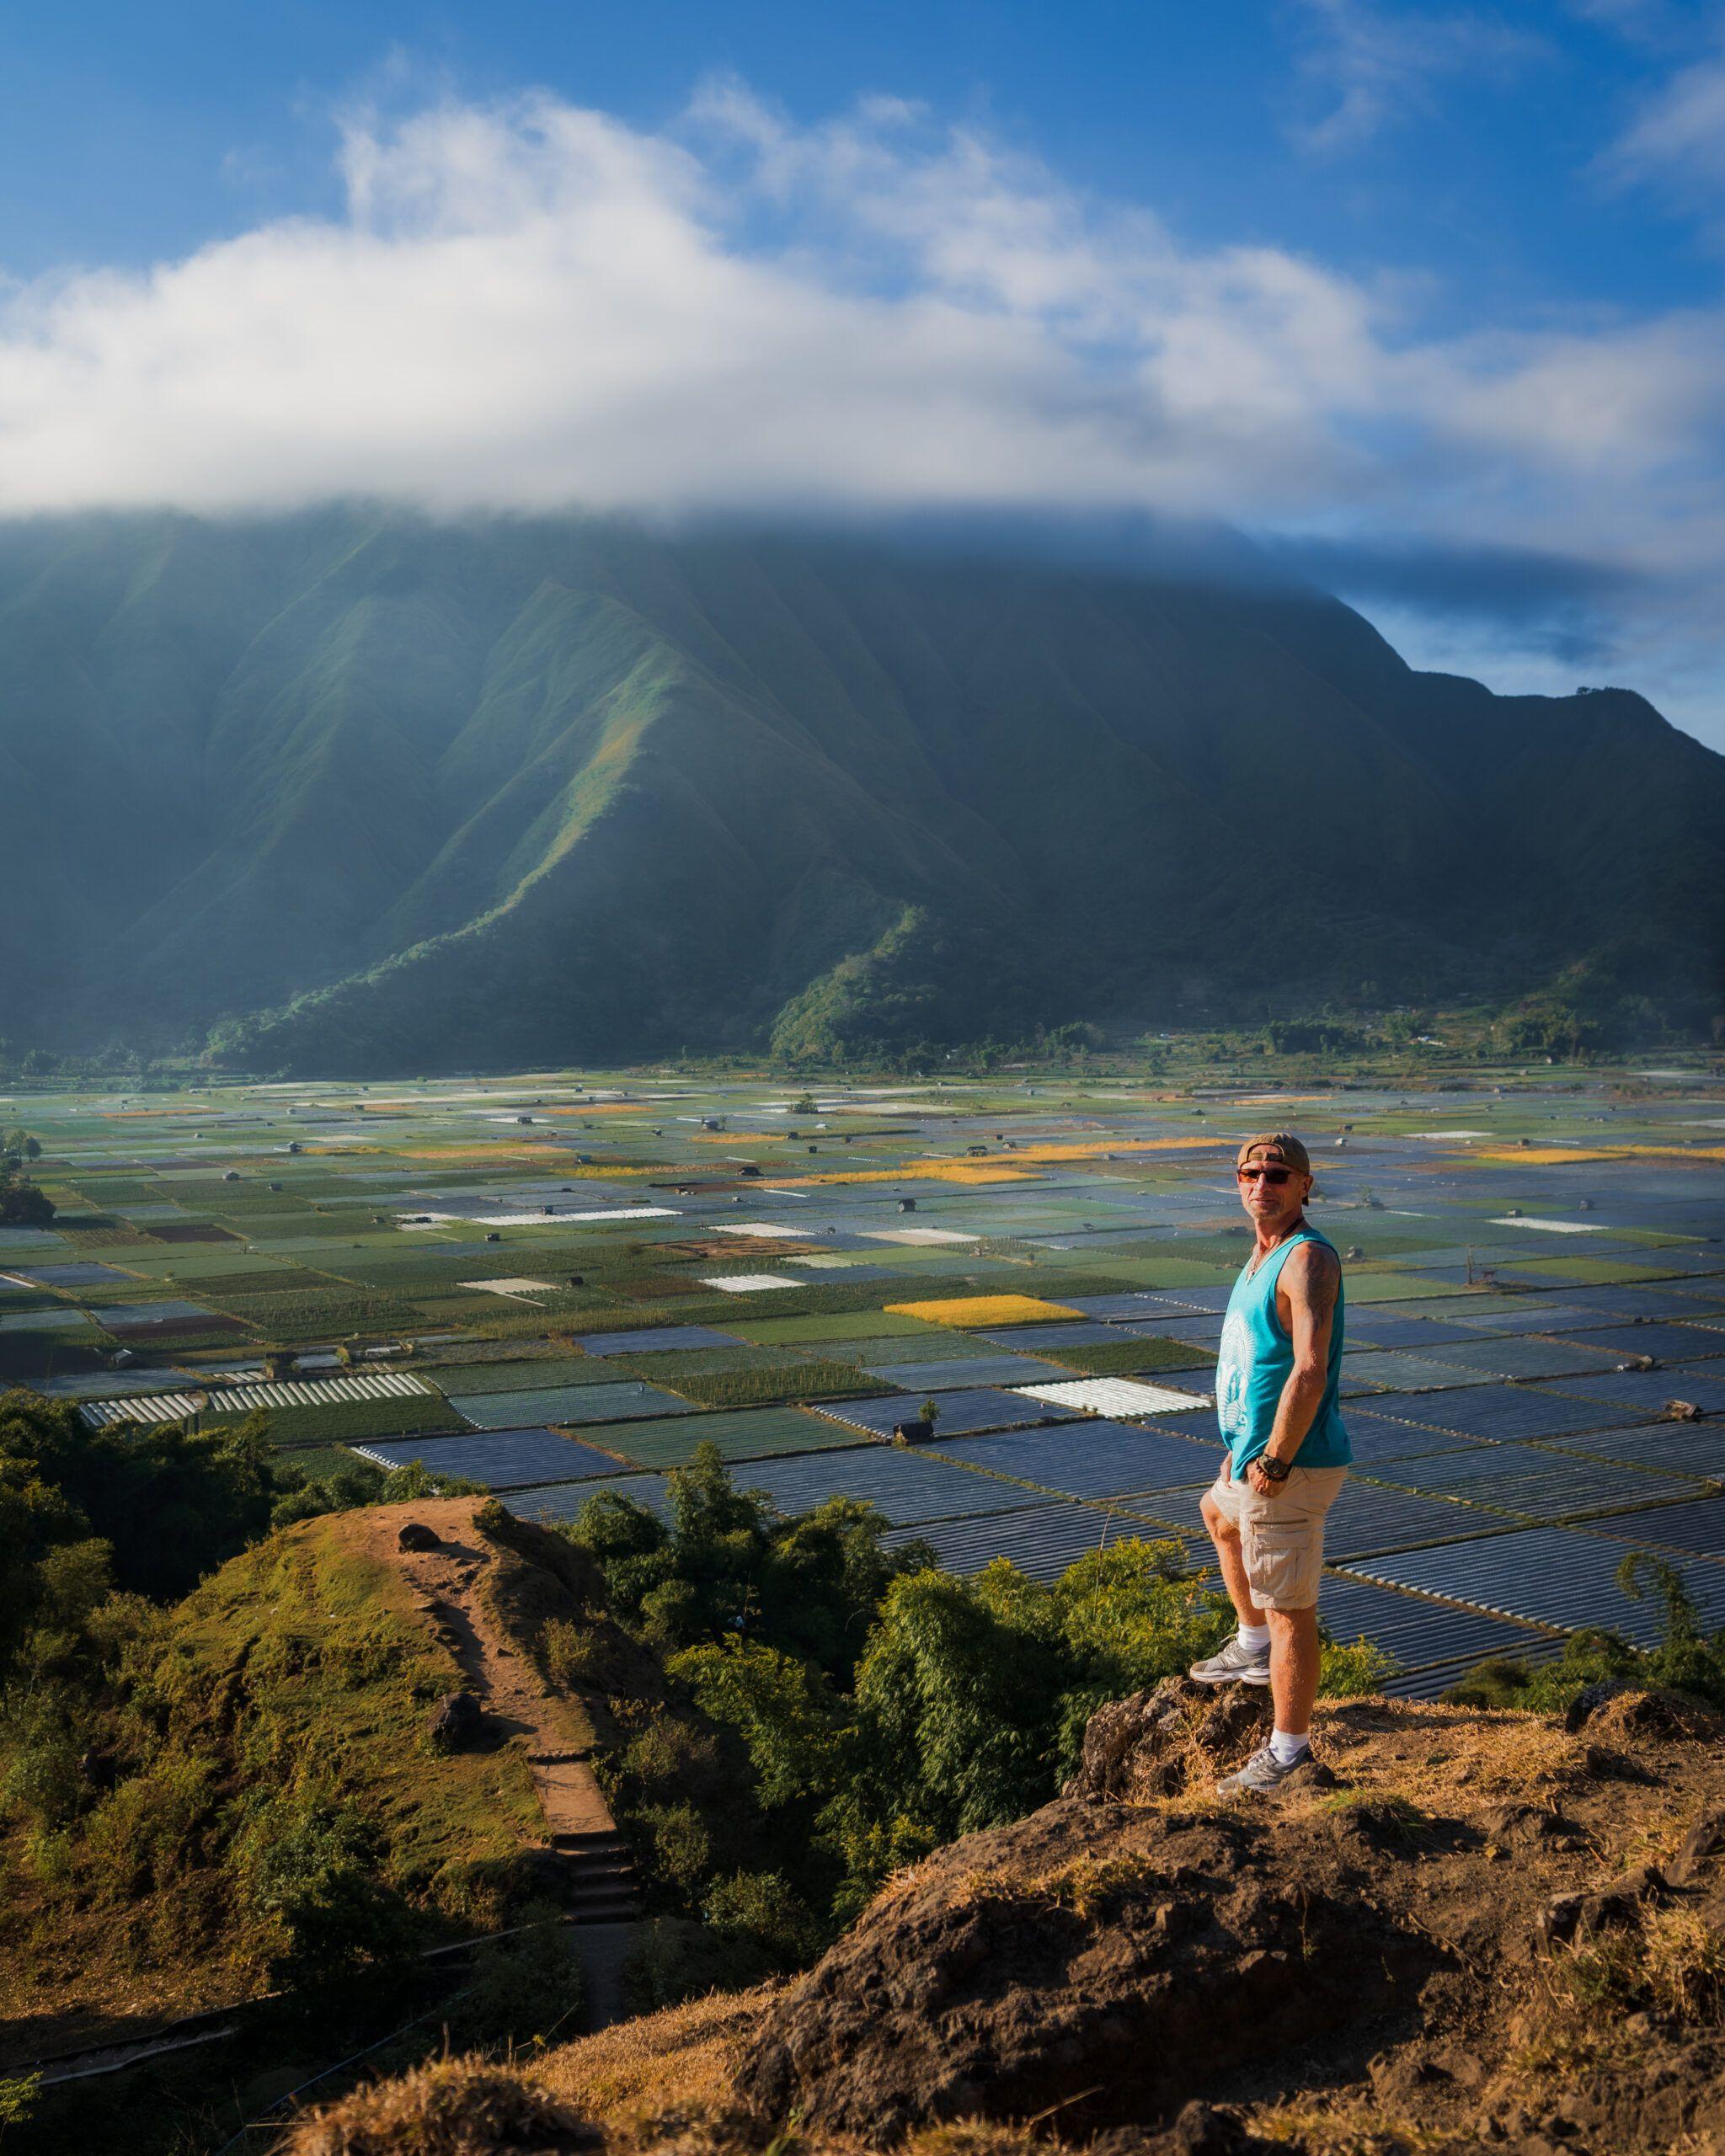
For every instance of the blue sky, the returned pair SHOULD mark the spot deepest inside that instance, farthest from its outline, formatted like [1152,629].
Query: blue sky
[1426,297]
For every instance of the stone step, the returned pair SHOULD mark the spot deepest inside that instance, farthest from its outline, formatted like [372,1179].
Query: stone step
[615,1911]
[582,1877]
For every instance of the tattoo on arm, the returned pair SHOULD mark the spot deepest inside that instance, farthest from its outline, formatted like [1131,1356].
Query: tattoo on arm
[1323,1283]
[1312,1294]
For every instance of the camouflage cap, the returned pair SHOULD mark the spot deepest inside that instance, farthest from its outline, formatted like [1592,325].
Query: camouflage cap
[1279,1145]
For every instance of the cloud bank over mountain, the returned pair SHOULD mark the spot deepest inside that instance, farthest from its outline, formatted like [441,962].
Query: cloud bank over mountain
[528,305]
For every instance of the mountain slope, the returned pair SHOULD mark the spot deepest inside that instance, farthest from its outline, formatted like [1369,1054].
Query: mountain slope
[370,791]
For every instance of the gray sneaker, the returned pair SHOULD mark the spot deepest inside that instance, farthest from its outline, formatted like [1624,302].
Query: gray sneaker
[1234,1665]
[1262,1773]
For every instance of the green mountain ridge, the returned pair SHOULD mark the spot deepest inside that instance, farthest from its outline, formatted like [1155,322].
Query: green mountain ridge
[365,792]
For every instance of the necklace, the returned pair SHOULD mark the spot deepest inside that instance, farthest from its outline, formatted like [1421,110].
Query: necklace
[1257,1257]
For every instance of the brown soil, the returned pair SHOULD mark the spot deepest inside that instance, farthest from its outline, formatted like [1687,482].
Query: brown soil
[1469,1931]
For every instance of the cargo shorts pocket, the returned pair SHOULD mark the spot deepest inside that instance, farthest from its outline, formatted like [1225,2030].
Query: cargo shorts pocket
[1283,1561]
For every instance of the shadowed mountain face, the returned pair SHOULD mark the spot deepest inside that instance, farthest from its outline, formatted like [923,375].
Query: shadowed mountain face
[368,792]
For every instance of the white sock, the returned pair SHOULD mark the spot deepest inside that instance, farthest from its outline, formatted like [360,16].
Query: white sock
[1286,1748]
[1255,1636]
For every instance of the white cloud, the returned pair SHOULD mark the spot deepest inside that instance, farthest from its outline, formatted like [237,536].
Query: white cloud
[1677,139]
[535,305]
[1368,67]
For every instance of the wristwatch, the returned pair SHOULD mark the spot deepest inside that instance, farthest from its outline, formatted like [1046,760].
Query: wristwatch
[1276,1469]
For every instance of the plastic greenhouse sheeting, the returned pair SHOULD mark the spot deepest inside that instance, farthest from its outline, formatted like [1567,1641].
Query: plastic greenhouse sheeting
[506,1459]
[1501,1413]
[1699,1526]
[1553,1575]
[1089,1459]
[579,1403]
[959,1412]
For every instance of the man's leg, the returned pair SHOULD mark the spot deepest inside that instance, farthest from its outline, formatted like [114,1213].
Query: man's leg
[1246,1658]
[1224,1534]
[1294,1660]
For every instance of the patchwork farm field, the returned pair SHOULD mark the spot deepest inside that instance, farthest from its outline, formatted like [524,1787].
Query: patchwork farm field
[560,1284]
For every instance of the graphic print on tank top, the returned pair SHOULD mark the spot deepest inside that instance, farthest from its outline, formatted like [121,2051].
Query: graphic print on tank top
[1233,1374]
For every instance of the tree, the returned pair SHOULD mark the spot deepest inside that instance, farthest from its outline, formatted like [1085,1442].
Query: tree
[18,1145]
[314,1864]
[22,1204]
[956,1701]
[172,1505]
[726,1565]
[930,1411]
[785,1715]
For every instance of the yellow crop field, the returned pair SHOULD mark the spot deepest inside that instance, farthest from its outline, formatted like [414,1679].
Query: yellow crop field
[1099,1148]
[645,1109]
[974,1311]
[1563,1156]
[473,1157]
[958,1171]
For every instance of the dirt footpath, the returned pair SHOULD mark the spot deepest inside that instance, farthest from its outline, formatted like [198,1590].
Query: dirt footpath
[447,1584]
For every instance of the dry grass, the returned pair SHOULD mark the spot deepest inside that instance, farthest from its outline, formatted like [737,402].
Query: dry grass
[1441,1759]
[981,2138]
[454,2107]
[1673,1962]
[663,2081]
[1354,2129]
[680,2059]
[979,1310]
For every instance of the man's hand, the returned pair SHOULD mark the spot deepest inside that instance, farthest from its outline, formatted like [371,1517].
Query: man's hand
[1266,1486]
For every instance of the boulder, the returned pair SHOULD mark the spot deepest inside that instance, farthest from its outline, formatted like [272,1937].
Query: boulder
[458,1722]
[416,1535]
[1158,1743]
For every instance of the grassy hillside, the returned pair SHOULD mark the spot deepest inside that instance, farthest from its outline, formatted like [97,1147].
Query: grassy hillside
[366,792]
[262,1778]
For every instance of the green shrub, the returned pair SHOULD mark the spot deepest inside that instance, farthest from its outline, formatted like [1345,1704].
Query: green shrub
[311,1863]
[1352,1673]
[682,1848]
[525,1988]
[759,1909]
[1686,1660]
[571,1655]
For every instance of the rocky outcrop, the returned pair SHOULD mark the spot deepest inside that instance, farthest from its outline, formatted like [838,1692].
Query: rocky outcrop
[1158,1743]
[1109,1969]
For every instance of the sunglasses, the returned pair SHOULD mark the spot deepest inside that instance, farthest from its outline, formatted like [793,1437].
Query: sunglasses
[1264,1175]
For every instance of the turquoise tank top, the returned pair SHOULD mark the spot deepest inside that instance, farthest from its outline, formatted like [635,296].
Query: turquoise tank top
[1254,1362]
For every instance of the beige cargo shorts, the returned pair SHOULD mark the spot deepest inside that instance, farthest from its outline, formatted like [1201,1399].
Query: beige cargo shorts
[1282,1537]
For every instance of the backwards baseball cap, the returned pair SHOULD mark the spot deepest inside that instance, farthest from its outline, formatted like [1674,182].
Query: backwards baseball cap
[1278,1146]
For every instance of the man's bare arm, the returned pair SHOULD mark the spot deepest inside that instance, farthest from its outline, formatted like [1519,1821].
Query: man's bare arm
[1312,1280]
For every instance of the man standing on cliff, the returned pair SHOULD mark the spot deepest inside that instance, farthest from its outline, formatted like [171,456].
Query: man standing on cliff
[1288,1452]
